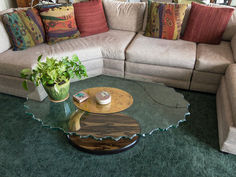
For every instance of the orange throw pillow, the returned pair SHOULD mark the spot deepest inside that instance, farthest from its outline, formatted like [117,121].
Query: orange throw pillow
[90,17]
[59,23]
[207,24]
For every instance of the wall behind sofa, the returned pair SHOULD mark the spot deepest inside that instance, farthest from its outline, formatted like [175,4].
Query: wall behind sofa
[6,4]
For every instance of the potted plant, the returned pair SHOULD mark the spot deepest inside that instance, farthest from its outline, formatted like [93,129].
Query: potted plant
[55,75]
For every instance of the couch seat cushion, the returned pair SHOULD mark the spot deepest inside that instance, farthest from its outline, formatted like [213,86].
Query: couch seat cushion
[111,44]
[214,58]
[114,43]
[172,53]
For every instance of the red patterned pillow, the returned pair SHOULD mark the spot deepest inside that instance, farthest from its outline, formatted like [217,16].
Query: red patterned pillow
[90,17]
[206,24]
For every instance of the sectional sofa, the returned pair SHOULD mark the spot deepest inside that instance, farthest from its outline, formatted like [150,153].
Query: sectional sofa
[124,52]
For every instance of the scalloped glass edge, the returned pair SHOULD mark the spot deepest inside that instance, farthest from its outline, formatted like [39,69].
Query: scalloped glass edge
[109,137]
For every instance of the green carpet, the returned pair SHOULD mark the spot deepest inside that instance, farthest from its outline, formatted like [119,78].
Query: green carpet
[27,149]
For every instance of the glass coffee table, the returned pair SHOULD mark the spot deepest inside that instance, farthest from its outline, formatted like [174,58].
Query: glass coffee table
[137,109]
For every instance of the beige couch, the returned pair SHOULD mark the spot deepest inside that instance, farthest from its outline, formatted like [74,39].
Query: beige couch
[124,52]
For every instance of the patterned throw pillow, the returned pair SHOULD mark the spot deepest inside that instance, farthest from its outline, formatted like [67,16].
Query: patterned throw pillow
[23,30]
[207,24]
[90,17]
[34,15]
[34,30]
[164,20]
[59,23]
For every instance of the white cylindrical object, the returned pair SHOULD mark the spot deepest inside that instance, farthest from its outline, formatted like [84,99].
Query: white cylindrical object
[220,1]
[206,1]
[103,97]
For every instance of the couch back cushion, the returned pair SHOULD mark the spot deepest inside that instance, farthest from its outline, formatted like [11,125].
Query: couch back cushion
[230,29]
[59,23]
[90,17]
[126,16]
[5,43]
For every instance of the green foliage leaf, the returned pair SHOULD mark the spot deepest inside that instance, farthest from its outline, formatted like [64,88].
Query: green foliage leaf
[39,58]
[54,71]
[50,62]
[75,58]
[25,72]
[24,85]
[50,82]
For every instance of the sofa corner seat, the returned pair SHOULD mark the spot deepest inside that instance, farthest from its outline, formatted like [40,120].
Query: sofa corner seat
[226,111]
[211,63]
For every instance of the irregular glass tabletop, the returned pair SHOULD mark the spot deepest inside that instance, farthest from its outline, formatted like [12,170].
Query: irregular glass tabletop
[155,106]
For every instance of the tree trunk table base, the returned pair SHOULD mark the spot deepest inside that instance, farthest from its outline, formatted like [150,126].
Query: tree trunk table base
[106,146]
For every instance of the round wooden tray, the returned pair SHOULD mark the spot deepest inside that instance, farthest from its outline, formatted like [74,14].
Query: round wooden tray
[120,100]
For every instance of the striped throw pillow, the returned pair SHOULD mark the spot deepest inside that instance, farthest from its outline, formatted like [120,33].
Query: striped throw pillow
[207,24]
[59,23]
[90,17]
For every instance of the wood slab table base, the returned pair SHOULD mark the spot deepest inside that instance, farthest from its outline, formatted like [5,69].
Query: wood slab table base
[105,128]
[106,146]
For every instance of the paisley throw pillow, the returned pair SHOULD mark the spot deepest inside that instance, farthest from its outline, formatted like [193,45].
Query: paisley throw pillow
[165,20]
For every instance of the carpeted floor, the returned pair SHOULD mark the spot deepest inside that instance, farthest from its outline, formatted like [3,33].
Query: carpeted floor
[27,149]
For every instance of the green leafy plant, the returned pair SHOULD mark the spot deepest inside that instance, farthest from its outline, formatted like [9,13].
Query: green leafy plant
[54,72]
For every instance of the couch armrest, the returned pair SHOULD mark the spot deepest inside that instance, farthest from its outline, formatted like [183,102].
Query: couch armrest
[233,46]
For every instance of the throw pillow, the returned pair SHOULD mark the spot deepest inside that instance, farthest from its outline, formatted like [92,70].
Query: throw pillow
[59,23]
[34,15]
[25,28]
[19,35]
[124,15]
[90,17]
[35,31]
[165,20]
[206,24]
